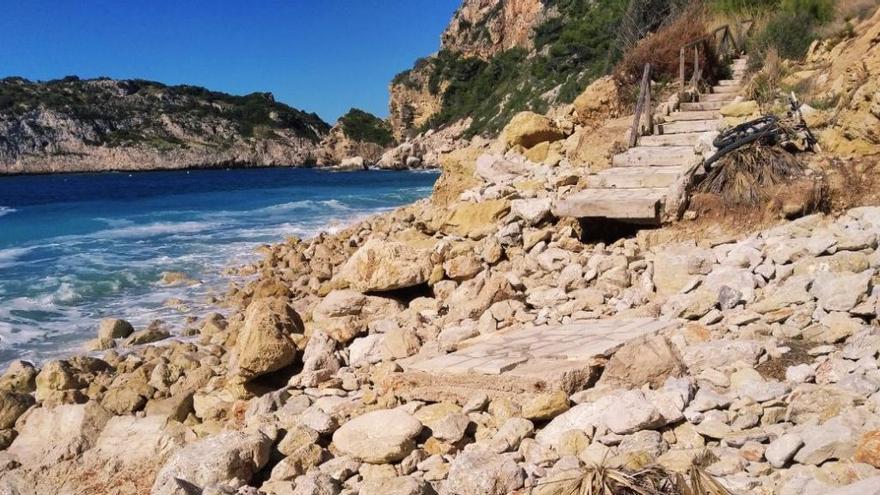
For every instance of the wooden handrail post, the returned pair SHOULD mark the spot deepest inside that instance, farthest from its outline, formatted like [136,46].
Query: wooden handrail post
[650,115]
[681,72]
[696,67]
[644,90]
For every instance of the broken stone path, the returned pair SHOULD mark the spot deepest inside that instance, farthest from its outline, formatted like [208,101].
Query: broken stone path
[530,360]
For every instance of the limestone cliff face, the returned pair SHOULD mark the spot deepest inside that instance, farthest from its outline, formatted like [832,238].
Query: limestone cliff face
[484,28]
[412,102]
[479,29]
[74,125]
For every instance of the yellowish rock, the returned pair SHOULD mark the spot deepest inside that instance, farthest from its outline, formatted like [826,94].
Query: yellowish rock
[435,412]
[572,442]
[545,406]
[601,98]
[529,185]
[386,265]
[538,153]
[740,109]
[457,175]
[475,220]
[527,129]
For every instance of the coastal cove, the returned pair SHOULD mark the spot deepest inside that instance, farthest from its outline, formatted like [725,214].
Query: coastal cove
[78,247]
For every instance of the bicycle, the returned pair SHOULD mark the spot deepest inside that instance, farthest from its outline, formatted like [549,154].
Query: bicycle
[768,130]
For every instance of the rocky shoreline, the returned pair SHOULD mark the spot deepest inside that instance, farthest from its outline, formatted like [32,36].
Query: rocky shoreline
[769,365]
[746,358]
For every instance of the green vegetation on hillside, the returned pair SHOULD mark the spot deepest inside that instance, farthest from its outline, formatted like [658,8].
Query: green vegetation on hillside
[790,26]
[135,111]
[580,44]
[366,127]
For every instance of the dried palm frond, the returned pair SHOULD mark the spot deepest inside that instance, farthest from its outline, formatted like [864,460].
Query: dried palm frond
[699,482]
[653,480]
[743,176]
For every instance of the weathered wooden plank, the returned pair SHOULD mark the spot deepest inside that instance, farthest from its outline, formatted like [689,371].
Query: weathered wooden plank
[725,97]
[704,115]
[702,105]
[682,139]
[634,177]
[690,126]
[622,204]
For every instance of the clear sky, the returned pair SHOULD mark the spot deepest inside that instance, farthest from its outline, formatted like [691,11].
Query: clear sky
[321,55]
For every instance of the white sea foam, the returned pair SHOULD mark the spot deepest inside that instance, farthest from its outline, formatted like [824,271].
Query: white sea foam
[5,210]
[66,293]
[155,229]
[310,204]
[9,256]
[17,336]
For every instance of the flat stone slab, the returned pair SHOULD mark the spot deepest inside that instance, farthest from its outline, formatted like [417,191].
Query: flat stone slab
[527,360]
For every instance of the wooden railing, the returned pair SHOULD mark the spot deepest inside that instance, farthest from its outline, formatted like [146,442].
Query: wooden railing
[643,104]
[725,47]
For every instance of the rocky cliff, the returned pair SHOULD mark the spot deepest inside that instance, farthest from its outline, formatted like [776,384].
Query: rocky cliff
[485,28]
[73,125]
[359,137]
[500,57]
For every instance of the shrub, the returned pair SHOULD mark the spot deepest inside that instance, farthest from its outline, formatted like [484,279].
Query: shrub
[738,7]
[662,50]
[363,126]
[856,9]
[820,11]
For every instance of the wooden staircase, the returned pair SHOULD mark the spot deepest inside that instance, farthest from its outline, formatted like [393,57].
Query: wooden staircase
[637,186]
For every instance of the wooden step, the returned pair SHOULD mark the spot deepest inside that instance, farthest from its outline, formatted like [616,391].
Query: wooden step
[648,156]
[690,126]
[642,205]
[634,177]
[728,82]
[726,89]
[702,105]
[683,139]
[704,115]
[726,97]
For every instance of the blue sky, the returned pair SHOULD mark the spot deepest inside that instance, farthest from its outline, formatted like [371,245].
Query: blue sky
[323,55]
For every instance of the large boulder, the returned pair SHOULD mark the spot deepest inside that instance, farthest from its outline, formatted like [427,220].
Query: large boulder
[479,471]
[649,359]
[475,220]
[264,343]
[600,99]
[133,440]
[527,129]
[56,375]
[675,266]
[13,405]
[841,291]
[218,458]
[379,437]
[114,328]
[622,411]
[72,428]
[385,265]
[20,376]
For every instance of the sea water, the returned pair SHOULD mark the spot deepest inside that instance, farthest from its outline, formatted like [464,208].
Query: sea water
[75,248]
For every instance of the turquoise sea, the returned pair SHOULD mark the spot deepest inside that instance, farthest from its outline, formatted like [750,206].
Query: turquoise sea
[75,248]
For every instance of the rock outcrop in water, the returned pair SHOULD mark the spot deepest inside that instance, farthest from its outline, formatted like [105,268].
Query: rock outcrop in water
[73,125]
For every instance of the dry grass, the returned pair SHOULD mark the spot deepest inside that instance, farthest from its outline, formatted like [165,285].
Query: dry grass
[661,50]
[744,176]
[856,9]
[654,480]
[852,182]
[764,85]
